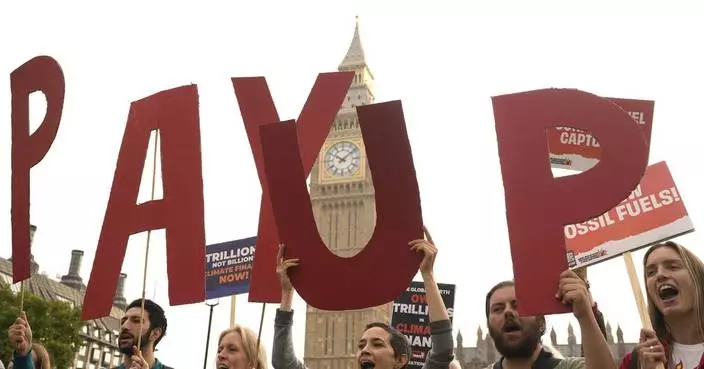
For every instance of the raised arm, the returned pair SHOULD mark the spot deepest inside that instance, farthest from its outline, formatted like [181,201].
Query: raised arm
[573,291]
[441,352]
[20,337]
[282,354]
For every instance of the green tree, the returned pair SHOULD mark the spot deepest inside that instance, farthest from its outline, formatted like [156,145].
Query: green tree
[55,324]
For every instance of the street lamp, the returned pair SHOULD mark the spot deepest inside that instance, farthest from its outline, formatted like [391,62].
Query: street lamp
[211,304]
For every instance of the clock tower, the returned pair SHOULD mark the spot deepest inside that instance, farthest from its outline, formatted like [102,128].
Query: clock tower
[342,196]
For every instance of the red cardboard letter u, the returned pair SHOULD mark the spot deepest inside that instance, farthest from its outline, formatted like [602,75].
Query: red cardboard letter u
[324,280]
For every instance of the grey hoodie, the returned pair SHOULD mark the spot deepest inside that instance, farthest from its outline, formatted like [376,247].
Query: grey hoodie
[283,356]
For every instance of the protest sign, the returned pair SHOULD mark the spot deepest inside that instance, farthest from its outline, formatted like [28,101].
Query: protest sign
[410,317]
[228,267]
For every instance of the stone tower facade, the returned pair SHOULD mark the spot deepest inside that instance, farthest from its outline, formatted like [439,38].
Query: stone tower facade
[342,197]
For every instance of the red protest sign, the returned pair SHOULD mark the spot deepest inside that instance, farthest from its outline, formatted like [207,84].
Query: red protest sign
[576,149]
[175,114]
[654,212]
[257,109]
[535,208]
[43,74]
[324,280]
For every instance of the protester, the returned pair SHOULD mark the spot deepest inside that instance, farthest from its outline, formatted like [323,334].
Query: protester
[153,329]
[674,277]
[518,339]
[381,346]
[237,349]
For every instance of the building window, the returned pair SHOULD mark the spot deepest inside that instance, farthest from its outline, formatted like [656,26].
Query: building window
[95,355]
[85,330]
[106,357]
[115,359]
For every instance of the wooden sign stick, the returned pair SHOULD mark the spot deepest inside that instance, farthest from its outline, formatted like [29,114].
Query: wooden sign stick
[149,236]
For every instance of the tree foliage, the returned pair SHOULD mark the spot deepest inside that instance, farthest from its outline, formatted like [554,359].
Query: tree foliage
[55,324]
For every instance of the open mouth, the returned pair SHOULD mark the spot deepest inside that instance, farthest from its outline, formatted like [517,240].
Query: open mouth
[366,364]
[667,292]
[223,366]
[511,327]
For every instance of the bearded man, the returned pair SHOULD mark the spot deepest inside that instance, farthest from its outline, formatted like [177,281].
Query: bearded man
[518,339]
[152,329]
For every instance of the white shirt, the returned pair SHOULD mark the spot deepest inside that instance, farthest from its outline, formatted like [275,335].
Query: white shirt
[686,356]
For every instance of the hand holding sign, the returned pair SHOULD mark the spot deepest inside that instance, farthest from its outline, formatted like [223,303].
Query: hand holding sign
[573,291]
[282,266]
[429,250]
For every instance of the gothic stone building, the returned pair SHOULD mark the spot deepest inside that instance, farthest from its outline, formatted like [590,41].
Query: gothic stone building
[484,353]
[99,349]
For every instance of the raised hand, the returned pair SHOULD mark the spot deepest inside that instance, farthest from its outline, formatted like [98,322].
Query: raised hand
[650,351]
[427,247]
[282,269]
[573,291]
[20,335]
[138,361]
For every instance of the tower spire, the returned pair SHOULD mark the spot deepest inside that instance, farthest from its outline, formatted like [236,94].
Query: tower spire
[355,53]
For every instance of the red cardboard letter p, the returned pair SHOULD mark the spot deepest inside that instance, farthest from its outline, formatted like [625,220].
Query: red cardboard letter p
[39,74]
[536,206]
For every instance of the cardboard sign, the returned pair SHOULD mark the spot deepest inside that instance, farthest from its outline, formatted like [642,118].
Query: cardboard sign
[228,267]
[410,317]
[314,122]
[654,212]
[536,209]
[578,150]
[175,114]
[44,74]
[324,280]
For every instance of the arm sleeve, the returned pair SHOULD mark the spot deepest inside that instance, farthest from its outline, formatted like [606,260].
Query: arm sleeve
[282,354]
[441,352]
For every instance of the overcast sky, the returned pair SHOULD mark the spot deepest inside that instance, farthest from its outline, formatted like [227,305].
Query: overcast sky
[444,62]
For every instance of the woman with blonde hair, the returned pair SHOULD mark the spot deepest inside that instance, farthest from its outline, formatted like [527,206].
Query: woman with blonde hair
[674,277]
[238,349]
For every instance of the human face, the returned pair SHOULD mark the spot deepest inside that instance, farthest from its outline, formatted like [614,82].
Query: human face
[668,282]
[231,353]
[514,336]
[129,331]
[375,351]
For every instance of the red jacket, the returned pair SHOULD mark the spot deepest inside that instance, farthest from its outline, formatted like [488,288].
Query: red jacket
[629,363]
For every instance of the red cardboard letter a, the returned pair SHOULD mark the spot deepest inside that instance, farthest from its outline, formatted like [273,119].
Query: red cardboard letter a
[174,113]
[536,209]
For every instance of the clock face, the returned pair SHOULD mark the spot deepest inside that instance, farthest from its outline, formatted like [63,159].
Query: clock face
[343,159]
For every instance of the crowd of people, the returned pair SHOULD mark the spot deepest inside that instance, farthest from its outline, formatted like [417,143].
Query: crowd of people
[673,275]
